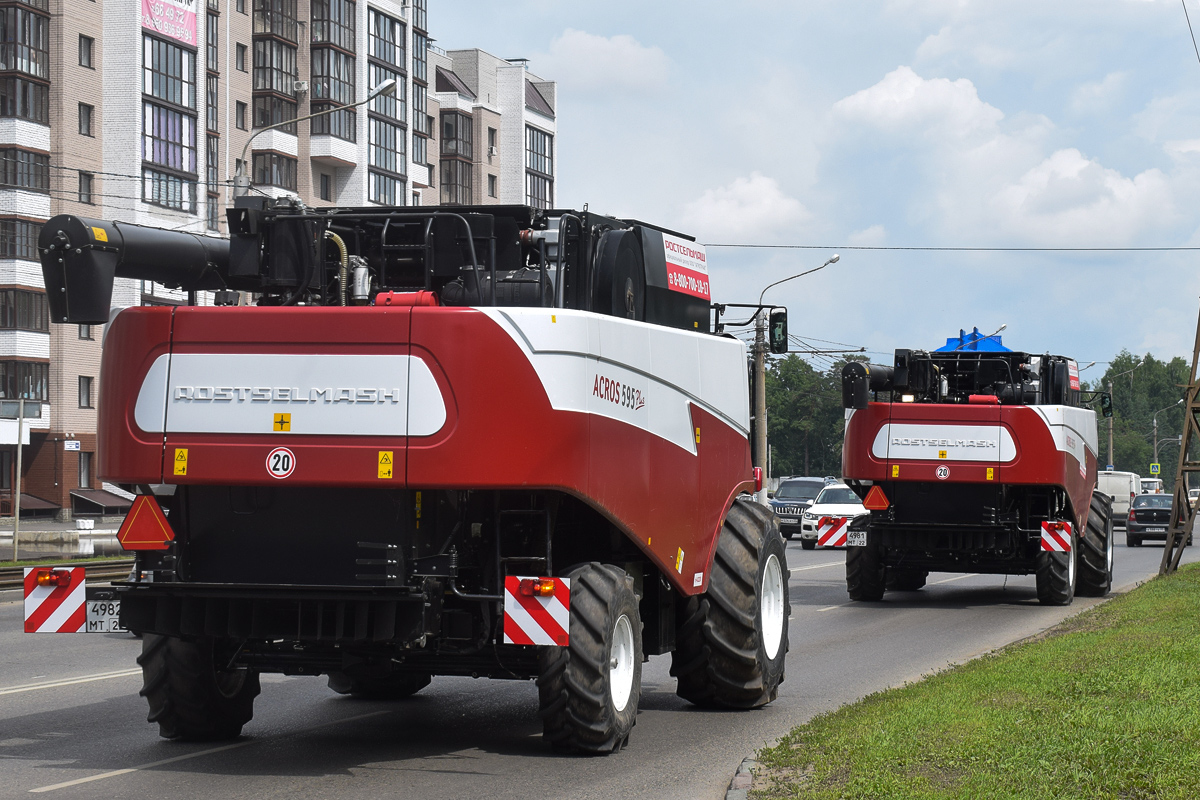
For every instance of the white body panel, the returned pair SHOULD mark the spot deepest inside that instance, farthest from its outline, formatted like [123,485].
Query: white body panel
[927,442]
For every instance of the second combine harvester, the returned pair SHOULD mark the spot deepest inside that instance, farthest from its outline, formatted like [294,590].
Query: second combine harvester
[490,441]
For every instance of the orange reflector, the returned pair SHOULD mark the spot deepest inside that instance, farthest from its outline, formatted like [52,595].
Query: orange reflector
[145,526]
[55,577]
[876,500]
[536,587]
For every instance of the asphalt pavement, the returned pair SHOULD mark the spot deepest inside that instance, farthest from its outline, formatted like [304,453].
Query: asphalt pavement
[73,725]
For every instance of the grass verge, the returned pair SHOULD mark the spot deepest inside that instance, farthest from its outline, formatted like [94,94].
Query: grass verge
[1106,705]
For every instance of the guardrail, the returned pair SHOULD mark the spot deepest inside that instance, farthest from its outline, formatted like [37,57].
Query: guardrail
[14,577]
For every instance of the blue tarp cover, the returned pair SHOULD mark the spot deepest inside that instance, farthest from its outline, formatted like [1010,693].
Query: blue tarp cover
[973,342]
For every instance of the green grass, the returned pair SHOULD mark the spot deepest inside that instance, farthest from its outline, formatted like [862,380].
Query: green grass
[1107,705]
[43,562]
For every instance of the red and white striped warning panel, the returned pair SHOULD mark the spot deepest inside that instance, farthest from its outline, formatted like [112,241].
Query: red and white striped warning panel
[1056,537]
[537,610]
[831,531]
[55,600]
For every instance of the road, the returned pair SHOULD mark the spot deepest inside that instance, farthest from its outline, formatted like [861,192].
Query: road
[72,724]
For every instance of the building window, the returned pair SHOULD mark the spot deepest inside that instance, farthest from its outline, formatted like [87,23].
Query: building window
[213,209]
[420,55]
[85,391]
[169,137]
[214,95]
[419,15]
[385,40]
[456,181]
[457,134]
[85,332]
[539,164]
[85,470]
[326,192]
[241,6]
[274,67]
[24,379]
[85,187]
[25,99]
[492,189]
[85,51]
[25,42]
[272,110]
[23,310]
[240,57]
[212,43]
[275,169]
[169,72]
[277,18]
[18,239]
[385,189]
[240,115]
[419,150]
[386,150]
[85,119]
[392,105]
[168,191]
[211,161]
[21,169]
[333,23]
[333,85]
[491,141]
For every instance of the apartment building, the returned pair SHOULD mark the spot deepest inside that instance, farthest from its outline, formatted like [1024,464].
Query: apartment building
[145,113]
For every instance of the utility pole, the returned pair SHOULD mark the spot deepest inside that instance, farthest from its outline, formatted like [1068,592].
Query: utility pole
[17,499]
[760,400]
[1110,431]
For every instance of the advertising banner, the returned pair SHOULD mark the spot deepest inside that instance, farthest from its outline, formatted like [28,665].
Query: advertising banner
[174,19]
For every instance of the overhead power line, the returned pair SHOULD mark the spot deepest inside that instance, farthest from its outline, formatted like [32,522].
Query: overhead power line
[954,249]
[1193,33]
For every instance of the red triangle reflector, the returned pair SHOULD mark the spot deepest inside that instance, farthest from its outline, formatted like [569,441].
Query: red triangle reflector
[876,500]
[145,526]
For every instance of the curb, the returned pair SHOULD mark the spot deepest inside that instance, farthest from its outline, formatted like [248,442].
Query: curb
[739,787]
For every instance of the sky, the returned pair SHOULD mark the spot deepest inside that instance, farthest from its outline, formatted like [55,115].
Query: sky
[896,123]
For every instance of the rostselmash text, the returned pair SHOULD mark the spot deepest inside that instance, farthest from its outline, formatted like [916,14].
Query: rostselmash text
[284,394]
[943,442]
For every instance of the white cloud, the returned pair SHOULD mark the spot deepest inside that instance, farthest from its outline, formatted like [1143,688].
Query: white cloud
[873,236]
[747,209]
[904,102]
[1098,96]
[585,63]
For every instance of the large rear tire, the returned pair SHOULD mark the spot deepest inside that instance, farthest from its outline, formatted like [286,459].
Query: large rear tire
[1096,549]
[588,692]
[190,696]
[866,578]
[391,687]
[732,641]
[1056,573]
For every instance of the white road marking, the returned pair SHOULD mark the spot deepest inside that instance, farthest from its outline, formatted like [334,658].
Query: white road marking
[103,676]
[955,578]
[831,608]
[118,772]
[817,566]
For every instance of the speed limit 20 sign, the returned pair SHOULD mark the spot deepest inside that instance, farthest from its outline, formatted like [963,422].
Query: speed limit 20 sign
[281,462]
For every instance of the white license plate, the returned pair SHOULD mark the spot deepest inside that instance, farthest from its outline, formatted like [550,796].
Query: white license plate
[103,611]
[856,539]
[1156,530]
[788,520]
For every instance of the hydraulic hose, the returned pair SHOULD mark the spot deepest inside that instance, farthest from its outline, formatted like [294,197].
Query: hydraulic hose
[344,268]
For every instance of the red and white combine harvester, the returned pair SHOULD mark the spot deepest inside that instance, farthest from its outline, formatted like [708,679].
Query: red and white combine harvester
[487,441]
[975,461]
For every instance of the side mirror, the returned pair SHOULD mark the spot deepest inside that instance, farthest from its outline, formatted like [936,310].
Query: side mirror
[778,331]
[1106,405]
[770,495]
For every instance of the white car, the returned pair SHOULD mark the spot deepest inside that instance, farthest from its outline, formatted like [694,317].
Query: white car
[835,500]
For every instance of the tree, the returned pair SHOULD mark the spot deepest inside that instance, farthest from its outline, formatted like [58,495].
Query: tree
[805,419]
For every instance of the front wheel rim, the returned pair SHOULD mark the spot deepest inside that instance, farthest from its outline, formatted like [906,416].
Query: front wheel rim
[771,606]
[620,671]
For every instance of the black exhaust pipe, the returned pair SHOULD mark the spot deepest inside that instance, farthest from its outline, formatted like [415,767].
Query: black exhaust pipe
[81,257]
[859,379]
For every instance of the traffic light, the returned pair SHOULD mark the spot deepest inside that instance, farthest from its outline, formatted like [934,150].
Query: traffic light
[778,331]
[1106,404]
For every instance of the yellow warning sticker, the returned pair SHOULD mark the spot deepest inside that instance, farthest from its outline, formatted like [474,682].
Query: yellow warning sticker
[941,453]
[895,470]
[180,461]
[991,474]
[697,436]
[385,466]
[679,561]
[283,422]
[100,234]
[554,318]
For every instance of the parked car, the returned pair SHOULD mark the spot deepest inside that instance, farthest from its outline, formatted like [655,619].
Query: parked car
[1149,517]
[792,499]
[1121,487]
[835,500]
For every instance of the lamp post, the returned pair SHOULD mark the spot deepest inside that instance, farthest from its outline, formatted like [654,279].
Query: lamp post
[241,181]
[760,378]
[1154,416]
[1128,372]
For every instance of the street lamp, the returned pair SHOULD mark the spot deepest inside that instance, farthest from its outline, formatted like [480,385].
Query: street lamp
[1154,416]
[760,377]
[1128,372]
[241,181]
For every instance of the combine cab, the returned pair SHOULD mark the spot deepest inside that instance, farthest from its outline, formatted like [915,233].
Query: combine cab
[410,442]
[974,462]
